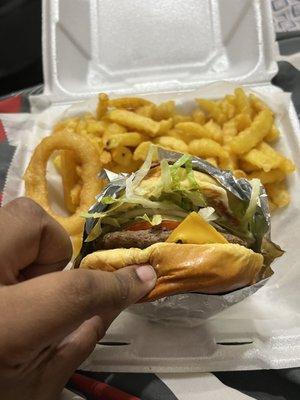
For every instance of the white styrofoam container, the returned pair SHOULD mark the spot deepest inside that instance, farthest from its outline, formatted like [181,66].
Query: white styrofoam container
[146,46]
[165,49]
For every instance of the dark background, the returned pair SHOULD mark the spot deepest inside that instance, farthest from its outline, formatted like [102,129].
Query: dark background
[20,45]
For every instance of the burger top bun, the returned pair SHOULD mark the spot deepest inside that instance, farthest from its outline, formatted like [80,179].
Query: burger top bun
[180,268]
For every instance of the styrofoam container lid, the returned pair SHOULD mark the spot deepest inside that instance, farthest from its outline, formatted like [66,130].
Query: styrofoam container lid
[142,46]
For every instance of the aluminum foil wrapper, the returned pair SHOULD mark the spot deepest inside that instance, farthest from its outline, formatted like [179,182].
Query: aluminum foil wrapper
[189,306]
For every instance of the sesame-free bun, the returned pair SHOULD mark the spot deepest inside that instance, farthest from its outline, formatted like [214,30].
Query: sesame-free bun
[180,268]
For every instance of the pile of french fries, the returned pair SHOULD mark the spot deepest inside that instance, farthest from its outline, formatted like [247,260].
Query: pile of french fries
[234,133]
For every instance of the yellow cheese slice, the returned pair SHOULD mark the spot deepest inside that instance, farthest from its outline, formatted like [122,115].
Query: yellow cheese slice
[195,230]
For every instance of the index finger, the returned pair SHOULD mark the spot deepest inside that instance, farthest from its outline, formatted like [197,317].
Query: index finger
[32,242]
[52,306]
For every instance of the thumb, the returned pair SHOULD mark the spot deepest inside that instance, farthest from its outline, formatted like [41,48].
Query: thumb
[86,293]
[119,289]
[130,284]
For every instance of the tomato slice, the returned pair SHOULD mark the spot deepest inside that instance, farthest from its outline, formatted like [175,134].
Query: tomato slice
[139,226]
[170,225]
[143,225]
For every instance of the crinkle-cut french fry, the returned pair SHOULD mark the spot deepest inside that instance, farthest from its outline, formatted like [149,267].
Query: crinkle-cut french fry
[176,133]
[129,102]
[229,131]
[96,128]
[215,130]
[199,117]
[257,104]
[172,143]
[81,126]
[206,148]
[262,160]
[177,118]
[140,153]
[69,177]
[106,137]
[130,139]
[275,175]
[212,109]
[115,129]
[238,173]
[243,121]
[247,167]
[229,163]
[250,137]
[242,102]
[105,157]
[165,125]
[287,166]
[112,129]
[132,167]
[122,155]
[69,123]
[136,122]
[228,109]
[278,194]
[269,151]
[146,111]
[97,141]
[231,111]
[230,98]
[213,161]
[273,135]
[103,101]
[192,130]
[164,110]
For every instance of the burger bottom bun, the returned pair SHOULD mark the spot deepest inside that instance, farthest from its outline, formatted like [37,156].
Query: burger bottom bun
[180,268]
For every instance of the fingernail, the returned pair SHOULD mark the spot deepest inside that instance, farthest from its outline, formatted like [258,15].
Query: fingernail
[146,273]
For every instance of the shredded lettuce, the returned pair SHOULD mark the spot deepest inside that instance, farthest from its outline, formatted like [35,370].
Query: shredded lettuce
[170,212]
[195,197]
[180,162]
[166,177]
[95,232]
[94,215]
[107,200]
[156,219]
[255,183]
[208,213]
[135,179]
[190,174]
[111,221]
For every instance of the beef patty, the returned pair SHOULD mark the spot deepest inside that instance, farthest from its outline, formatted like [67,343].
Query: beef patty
[128,239]
[145,238]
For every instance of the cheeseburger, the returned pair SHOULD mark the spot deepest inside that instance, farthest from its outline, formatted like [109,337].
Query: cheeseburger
[197,235]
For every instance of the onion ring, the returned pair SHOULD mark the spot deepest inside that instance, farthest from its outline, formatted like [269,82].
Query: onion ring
[36,182]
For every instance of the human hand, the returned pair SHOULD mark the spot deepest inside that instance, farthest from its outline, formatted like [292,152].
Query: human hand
[49,324]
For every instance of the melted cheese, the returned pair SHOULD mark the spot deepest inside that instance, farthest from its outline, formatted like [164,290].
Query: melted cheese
[195,230]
